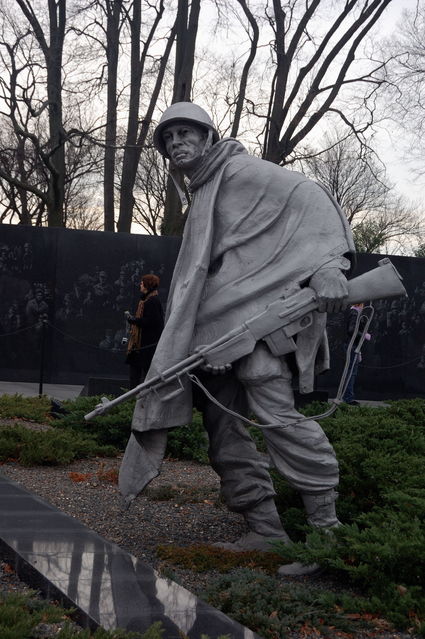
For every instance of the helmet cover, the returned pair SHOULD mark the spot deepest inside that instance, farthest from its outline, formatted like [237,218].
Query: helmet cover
[182,112]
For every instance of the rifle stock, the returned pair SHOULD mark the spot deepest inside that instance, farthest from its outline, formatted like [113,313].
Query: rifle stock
[277,325]
[379,283]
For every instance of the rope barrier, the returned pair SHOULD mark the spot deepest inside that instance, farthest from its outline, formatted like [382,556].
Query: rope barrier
[79,341]
[116,350]
[20,330]
[71,337]
[411,361]
[99,348]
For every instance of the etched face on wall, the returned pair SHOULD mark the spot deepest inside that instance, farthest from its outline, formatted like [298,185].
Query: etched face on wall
[185,144]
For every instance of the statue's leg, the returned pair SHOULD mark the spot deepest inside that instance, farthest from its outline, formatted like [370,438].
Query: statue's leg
[245,481]
[300,452]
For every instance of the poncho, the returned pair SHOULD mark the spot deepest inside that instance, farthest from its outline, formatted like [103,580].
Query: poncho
[254,231]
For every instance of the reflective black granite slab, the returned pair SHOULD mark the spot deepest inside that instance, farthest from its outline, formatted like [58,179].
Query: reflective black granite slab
[109,587]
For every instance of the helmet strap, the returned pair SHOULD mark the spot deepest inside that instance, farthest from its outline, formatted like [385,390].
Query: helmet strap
[174,175]
[208,143]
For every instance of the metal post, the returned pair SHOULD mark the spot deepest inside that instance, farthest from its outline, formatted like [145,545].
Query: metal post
[42,353]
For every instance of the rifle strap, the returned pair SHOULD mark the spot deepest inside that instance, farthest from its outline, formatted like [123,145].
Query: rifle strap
[215,401]
[335,402]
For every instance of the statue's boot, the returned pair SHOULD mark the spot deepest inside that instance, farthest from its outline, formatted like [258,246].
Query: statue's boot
[321,513]
[265,527]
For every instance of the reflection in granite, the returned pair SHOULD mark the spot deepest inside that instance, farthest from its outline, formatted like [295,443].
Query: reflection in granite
[109,587]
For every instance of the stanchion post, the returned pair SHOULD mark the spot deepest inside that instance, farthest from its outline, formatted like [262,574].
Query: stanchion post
[42,353]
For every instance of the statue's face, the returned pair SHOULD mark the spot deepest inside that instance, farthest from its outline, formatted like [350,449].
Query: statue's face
[185,144]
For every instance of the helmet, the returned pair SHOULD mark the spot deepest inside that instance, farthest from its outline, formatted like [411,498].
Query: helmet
[183,112]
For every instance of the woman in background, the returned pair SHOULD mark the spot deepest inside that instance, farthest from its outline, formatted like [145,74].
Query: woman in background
[145,329]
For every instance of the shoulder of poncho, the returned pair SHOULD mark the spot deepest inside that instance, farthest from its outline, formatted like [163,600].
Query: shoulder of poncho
[259,168]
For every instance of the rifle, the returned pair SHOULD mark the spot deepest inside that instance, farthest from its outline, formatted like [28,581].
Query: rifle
[276,325]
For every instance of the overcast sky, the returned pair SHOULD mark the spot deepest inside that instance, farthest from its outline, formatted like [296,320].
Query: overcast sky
[401,170]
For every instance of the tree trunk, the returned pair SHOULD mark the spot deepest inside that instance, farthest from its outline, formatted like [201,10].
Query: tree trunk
[245,72]
[112,51]
[129,167]
[187,30]
[136,139]
[56,195]
[24,216]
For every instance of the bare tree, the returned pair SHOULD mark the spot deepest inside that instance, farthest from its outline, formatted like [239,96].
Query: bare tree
[390,230]
[51,45]
[82,215]
[312,66]
[381,220]
[406,91]
[34,158]
[419,251]
[186,27]
[137,127]
[114,20]
[254,34]
[150,190]
[82,208]
[24,193]
[350,171]
[22,155]
[20,167]
[314,71]
[100,24]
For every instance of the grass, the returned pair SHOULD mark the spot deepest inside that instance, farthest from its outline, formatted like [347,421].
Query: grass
[203,558]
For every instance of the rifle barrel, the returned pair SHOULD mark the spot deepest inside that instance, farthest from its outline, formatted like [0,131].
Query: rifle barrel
[191,362]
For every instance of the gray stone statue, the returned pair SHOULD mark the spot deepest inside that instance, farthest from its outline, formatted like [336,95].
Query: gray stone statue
[255,232]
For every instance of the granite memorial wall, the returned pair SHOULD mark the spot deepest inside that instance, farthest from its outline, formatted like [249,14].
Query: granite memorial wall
[63,294]
[82,282]
[393,361]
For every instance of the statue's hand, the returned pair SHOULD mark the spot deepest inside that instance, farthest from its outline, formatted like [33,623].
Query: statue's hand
[213,370]
[330,285]
[216,370]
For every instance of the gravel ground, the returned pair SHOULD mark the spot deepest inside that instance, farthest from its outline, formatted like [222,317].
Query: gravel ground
[194,515]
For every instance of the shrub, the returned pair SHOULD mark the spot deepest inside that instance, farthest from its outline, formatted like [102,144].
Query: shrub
[113,428]
[273,609]
[49,447]
[35,409]
[381,547]
[103,435]
[20,614]
[189,442]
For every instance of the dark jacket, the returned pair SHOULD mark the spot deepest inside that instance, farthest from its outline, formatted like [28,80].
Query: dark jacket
[151,324]
[351,319]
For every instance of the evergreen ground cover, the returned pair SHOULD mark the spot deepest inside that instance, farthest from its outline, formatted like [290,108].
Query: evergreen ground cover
[379,550]
[26,616]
